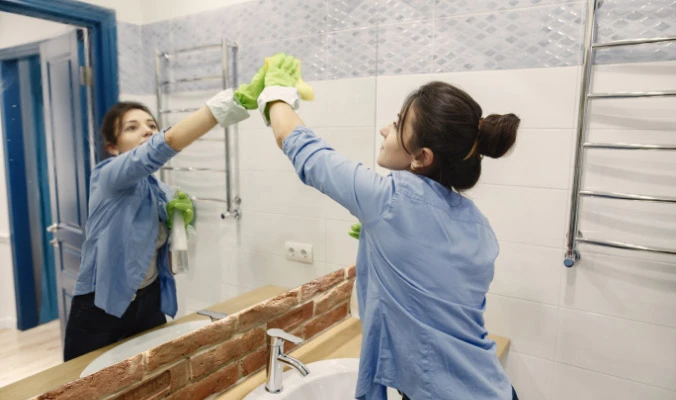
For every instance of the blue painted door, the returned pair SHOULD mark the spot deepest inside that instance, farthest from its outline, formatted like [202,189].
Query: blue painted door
[67,160]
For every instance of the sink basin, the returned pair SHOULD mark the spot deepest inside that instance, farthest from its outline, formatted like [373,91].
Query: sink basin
[334,379]
[142,343]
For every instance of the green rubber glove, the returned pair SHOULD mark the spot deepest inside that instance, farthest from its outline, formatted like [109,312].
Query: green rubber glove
[247,95]
[182,203]
[282,70]
[355,231]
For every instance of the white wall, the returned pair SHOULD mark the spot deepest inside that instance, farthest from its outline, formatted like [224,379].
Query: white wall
[148,11]
[17,29]
[129,11]
[160,10]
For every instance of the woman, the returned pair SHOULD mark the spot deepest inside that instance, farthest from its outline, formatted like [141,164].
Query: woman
[426,253]
[124,285]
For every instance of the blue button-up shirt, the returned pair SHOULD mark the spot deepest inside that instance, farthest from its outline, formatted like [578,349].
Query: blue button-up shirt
[426,258]
[126,206]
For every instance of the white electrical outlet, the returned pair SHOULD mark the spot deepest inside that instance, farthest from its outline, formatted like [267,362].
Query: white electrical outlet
[301,252]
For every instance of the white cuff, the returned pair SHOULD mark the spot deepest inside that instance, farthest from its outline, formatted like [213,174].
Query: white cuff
[289,95]
[226,109]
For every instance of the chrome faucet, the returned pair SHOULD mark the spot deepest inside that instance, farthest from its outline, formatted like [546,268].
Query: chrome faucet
[214,315]
[277,358]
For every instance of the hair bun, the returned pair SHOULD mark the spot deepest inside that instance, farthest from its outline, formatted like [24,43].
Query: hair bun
[497,134]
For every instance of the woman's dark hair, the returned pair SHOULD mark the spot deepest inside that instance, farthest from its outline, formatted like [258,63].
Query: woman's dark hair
[112,121]
[448,121]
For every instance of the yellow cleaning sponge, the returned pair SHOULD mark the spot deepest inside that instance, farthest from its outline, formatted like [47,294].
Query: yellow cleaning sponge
[306,92]
[290,63]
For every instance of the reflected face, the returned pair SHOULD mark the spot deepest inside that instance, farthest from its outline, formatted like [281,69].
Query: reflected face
[135,128]
[392,154]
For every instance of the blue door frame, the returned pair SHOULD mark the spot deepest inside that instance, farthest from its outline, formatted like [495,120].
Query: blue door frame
[101,24]
[24,281]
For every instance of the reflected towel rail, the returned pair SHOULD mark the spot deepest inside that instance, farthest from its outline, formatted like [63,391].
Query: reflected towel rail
[192,169]
[191,49]
[178,110]
[195,79]
[231,200]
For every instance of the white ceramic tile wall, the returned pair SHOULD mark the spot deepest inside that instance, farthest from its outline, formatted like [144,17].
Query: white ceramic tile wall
[531,326]
[541,266]
[640,290]
[632,350]
[532,376]
[521,214]
[583,384]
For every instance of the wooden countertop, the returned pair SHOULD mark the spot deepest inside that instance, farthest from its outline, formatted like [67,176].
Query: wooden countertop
[66,372]
[341,341]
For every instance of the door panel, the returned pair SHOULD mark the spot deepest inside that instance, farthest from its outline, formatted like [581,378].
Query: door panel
[66,159]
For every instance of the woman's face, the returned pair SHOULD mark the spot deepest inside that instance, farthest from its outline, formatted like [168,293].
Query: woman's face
[136,128]
[392,154]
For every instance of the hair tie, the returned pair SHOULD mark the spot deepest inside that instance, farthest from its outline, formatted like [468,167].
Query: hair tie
[475,145]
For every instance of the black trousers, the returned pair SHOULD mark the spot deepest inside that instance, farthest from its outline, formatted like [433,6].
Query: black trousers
[89,328]
[514,396]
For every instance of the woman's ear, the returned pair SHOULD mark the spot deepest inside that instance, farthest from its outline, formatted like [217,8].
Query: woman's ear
[422,161]
[424,158]
[112,149]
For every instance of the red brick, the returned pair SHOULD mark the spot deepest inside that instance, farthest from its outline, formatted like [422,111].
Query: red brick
[219,381]
[151,388]
[336,296]
[170,352]
[322,284]
[266,310]
[293,318]
[351,272]
[180,375]
[102,383]
[322,322]
[255,361]
[225,353]
[215,332]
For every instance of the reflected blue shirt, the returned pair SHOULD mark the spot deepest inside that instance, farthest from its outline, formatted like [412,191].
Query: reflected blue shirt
[126,206]
[425,262]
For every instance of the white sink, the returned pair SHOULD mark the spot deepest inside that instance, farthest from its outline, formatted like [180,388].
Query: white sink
[334,379]
[142,343]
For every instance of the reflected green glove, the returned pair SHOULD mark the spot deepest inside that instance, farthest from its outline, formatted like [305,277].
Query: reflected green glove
[355,231]
[246,95]
[282,70]
[182,203]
